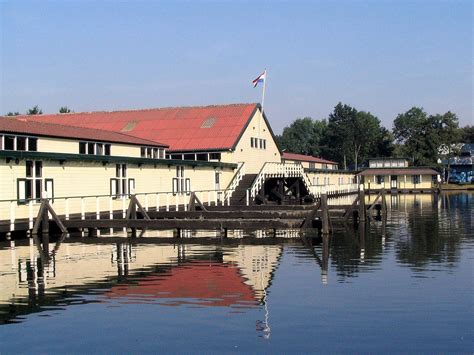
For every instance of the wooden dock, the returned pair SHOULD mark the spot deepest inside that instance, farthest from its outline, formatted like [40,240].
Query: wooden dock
[319,215]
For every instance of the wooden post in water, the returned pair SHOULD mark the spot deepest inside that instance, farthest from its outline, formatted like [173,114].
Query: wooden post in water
[45,222]
[325,211]
[384,204]
[325,259]
[362,215]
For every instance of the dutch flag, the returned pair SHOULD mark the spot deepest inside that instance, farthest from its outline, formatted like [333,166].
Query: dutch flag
[260,79]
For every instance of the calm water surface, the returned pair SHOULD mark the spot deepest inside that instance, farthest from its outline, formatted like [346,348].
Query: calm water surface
[406,286]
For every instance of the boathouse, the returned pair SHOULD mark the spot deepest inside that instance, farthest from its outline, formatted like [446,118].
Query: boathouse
[395,175]
[89,164]
[85,170]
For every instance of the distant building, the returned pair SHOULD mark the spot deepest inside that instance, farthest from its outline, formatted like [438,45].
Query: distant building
[321,172]
[462,166]
[395,175]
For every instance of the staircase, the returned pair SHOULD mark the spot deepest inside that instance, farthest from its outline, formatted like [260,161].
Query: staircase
[239,195]
[280,170]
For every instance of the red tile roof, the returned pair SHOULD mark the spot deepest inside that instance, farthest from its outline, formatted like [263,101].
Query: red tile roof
[30,127]
[308,158]
[182,128]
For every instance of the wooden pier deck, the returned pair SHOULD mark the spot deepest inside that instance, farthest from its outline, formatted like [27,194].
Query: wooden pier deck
[319,215]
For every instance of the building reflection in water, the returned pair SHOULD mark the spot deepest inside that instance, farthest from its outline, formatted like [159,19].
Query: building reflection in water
[42,275]
[237,273]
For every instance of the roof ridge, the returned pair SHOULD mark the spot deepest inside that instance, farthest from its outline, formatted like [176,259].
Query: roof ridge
[132,110]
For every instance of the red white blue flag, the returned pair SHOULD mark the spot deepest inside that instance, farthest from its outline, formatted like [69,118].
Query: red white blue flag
[259,79]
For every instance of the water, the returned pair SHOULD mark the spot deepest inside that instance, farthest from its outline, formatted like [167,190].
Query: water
[407,287]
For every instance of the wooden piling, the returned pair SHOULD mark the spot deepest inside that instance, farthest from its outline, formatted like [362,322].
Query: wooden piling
[362,215]
[384,204]
[324,207]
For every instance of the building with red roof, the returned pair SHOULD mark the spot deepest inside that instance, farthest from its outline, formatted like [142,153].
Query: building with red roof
[228,133]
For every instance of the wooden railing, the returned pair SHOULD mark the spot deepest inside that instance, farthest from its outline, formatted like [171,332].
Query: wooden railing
[273,170]
[331,190]
[239,174]
[95,206]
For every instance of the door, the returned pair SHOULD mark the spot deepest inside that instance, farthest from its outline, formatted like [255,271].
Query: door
[393,182]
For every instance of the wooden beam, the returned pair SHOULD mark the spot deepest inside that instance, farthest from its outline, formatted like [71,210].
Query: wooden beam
[308,222]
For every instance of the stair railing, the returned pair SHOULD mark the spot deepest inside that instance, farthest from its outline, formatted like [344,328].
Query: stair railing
[239,174]
[273,169]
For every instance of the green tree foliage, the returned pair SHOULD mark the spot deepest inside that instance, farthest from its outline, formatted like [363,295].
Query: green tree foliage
[35,110]
[467,134]
[303,136]
[449,135]
[353,136]
[385,144]
[64,109]
[412,130]
[425,139]
[13,114]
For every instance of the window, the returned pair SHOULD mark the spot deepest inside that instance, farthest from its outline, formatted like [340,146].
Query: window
[180,183]
[90,148]
[131,186]
[93,148]
[152,153]
[312,165]
[82,147]
[215,156]
[20,143]
[9,142]
[119,186]
[379,179]
[32,144]
[416,179]
[100,149]
[201,157]
[258,143]
[31,186]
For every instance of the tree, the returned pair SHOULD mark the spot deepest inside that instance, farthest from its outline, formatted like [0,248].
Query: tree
[13,113]
[385,146]
[449,136]
[467,134]
[414,131]
[353,136]
[303,136]
[64,109]
[35,110]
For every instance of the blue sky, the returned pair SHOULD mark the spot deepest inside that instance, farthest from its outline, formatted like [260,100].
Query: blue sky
[379,56]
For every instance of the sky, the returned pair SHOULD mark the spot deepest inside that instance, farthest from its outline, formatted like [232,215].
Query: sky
[379,56]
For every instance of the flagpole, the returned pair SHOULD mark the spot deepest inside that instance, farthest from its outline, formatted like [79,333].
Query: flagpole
[264,84]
